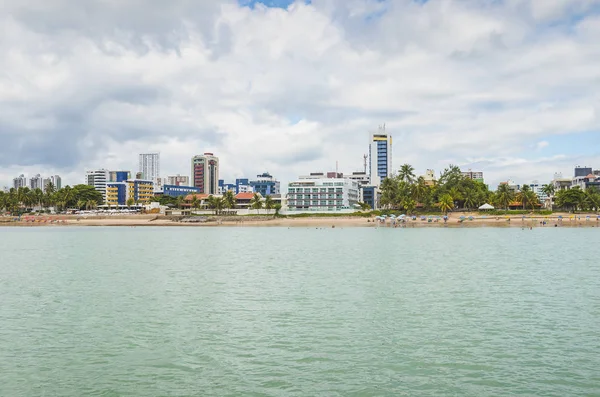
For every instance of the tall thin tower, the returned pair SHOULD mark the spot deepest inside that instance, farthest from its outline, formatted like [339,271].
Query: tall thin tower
[380,156]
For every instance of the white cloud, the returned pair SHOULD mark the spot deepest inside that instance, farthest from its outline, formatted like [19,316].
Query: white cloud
[292,91]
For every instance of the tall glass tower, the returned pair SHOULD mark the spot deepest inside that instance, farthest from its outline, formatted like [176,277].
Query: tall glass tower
[380,156]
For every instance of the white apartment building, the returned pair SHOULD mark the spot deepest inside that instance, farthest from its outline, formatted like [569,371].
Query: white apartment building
[20,181]
[37,182]
[98,179]
[149,166]
[322,194]
[55,180]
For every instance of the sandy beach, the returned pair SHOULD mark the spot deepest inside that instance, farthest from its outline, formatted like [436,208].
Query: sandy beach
[568,220]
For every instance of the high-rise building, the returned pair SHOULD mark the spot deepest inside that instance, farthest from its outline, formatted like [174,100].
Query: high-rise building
[380,156]
[178,180]
[98,179]
[205,173]
[37,182]
[150,166]
[20,181]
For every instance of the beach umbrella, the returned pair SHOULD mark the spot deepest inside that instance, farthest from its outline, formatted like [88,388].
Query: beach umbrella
[462,217]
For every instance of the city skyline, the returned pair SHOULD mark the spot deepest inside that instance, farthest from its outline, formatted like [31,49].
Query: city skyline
[478,84]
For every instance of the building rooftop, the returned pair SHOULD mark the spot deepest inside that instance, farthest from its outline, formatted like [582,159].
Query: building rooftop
[244,196]
[199,196]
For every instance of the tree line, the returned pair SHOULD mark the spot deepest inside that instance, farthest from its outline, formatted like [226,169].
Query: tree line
[404,191]
[76,197]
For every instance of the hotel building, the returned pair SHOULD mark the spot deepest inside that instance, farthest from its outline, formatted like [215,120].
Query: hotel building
[205,173]
[322,194]
[117,193]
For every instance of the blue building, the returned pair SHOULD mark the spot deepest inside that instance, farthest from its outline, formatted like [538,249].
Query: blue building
[116,194]
[176,191]
[266,185]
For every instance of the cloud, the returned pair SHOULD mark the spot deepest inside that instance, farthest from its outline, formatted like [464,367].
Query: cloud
[293,90]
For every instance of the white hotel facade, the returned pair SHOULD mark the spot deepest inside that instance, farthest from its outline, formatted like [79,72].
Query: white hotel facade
[322,195]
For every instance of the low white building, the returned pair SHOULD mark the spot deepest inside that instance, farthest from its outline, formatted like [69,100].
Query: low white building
[322,195]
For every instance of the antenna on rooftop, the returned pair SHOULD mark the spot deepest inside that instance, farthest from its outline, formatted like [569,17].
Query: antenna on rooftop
[336,168]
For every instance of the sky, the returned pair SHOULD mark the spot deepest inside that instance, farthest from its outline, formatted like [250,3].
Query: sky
[507,87]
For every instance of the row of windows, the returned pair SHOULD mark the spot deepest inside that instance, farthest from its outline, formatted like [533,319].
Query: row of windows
[315,190]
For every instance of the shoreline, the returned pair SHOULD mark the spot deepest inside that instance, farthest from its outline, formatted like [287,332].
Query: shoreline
[568,220]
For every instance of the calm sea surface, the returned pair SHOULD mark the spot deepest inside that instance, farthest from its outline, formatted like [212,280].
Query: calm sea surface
[299,312]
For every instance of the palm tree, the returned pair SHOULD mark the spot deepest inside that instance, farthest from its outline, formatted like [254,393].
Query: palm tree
[470,197]
[409,205]
[130,202]
[269,203]
[528,197]
[420,190]
[80,204]
[446,203]
[256,202]
[179,200]
[277,208]
[195,202]
[49,188]
[406,173]
[504,196]
[548,190]
[229,200]
[215,203]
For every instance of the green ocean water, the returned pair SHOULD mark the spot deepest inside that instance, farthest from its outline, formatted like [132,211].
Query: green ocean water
[299,312]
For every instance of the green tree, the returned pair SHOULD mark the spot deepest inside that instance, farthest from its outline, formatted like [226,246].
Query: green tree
[504,196]
[446,203]
[229,200]
[570,199]
[256,202]
[195,203]
[277,208]
[269,203]
[215,203]
[548,190]
[130,202]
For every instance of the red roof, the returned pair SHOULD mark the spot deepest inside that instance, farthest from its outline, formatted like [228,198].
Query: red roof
[200,196]
[244,196]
